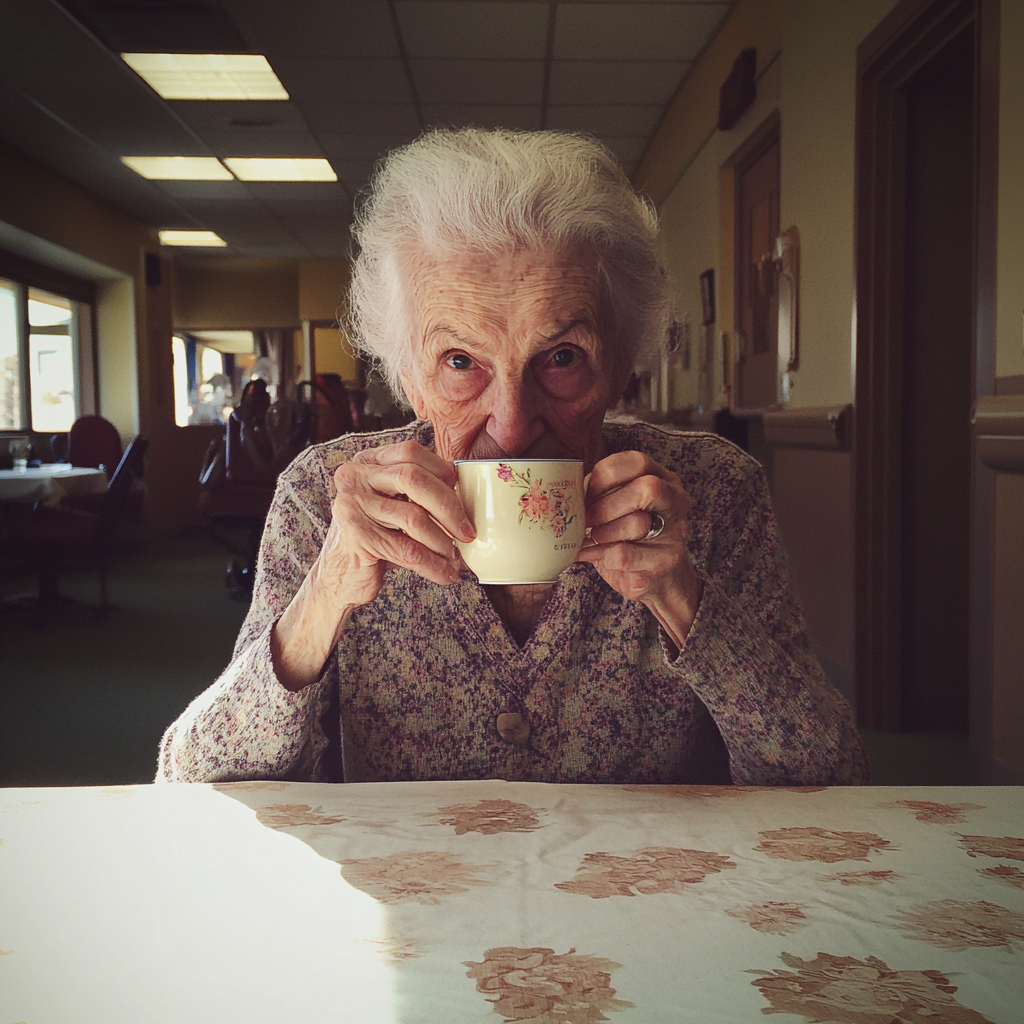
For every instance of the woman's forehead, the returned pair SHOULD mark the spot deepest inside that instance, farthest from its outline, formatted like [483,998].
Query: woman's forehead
[546,278]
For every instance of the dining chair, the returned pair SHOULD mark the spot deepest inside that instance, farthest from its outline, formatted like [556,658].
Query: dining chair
[52,540]
[94,441]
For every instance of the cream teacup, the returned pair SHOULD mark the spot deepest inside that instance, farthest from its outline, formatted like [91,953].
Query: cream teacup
[528,514]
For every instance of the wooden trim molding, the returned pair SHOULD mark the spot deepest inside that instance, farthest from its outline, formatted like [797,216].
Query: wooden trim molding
[824,427]
[999,432]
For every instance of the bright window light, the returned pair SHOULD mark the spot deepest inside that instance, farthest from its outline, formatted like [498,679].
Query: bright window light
[283,168]
[208,76]
[178,168]
[203,238]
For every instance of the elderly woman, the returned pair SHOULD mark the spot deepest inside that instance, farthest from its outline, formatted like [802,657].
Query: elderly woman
[507,283]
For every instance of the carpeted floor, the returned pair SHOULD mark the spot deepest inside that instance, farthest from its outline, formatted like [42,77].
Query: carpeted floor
[85,702]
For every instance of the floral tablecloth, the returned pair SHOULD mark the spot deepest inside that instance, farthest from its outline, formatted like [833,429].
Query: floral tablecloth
[492,901]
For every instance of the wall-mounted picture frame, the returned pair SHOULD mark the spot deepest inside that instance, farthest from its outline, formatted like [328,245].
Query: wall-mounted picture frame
[707,297]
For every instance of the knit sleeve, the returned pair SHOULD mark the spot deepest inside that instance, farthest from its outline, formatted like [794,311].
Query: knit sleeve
[747,656]
[247,725]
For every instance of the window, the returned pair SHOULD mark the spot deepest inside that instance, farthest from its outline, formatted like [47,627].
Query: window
[44,318]
[210,371]
[51,361]
[10,358]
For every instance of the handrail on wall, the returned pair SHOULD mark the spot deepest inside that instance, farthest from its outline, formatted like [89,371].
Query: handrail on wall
[998,423]
[825,426]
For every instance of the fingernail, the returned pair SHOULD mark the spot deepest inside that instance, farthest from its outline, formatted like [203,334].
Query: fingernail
[467,529]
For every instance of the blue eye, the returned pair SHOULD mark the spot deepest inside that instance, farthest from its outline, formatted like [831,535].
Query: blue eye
[564,357]
[459,361]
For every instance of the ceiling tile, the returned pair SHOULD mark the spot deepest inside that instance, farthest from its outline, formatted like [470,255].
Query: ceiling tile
[634,31]
[333,28]
[25,128]
[475,62]
[614,81]
[255,142]
[494,30]
[308,215]
[344,80]
[326,116]
[290,250]
[621,119]
[358,147]
[230,216]
[523,116]
[628,150]
[243,115]
[479,81]
[353,156]
[310,191]
[223,190]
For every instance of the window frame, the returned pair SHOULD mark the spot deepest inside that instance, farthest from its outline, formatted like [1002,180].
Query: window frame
[25,274]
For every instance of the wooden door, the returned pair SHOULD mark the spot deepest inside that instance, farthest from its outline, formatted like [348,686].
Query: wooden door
[757,293]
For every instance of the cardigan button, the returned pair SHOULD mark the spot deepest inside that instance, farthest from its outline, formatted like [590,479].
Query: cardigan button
[513,729]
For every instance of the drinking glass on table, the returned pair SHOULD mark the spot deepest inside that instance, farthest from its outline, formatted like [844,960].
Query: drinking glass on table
[20,449]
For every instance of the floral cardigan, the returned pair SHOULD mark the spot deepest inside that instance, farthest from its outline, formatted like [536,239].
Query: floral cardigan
[420,674]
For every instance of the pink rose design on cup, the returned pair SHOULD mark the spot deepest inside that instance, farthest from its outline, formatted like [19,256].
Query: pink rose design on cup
[550,508]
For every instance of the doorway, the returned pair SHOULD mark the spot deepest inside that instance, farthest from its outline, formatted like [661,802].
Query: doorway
[923,343]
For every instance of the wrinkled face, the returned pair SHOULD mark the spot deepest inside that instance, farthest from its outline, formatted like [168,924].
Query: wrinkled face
[509,361]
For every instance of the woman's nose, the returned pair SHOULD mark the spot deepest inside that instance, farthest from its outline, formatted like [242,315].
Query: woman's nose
[513,423]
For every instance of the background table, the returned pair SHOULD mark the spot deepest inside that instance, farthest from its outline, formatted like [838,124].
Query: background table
[488,901]
[50,483]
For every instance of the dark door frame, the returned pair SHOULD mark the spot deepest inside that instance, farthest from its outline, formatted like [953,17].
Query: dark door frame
[903,43]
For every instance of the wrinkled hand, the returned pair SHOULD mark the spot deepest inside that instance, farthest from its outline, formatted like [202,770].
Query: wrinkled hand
[392,508]
[625,488]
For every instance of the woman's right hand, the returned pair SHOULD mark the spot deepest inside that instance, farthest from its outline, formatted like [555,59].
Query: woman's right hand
[395,507]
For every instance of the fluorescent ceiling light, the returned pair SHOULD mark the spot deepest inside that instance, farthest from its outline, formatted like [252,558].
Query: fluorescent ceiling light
[283,168]
[208,76]
[203,238]
[178,168]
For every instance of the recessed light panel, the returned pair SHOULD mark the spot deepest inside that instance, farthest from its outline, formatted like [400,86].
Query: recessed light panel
[208,76]
[281,168]
[200,238]
[178,168]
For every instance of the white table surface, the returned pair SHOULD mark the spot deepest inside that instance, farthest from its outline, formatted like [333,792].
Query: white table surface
[50,482]
[488,901]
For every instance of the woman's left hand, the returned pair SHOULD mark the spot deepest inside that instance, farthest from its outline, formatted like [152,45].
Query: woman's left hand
[627,490]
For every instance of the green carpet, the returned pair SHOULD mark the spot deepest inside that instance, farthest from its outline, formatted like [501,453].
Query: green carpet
[84,702]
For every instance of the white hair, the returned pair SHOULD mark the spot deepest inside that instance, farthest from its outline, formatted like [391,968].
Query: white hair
[495,191]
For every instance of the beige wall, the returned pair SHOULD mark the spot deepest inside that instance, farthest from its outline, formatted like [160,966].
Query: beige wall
[693,239]
[221,294]
[323,285]
[694,111]
[48,207]
[40,201]
[809,49]
[819,63]
[116,352]
[812,85]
